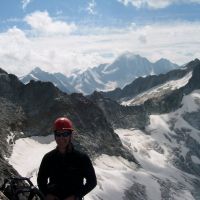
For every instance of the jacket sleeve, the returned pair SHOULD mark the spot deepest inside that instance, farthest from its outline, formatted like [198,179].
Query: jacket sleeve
[42,178]
[89,175]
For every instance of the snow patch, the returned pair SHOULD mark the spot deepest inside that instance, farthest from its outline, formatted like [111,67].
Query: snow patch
[33,77]
[107,71]
[111,85]
[96,77]
[28,153]
[190,102]
[10,138]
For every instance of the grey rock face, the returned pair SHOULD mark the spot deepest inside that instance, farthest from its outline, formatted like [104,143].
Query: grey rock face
[121,116]
[11,118]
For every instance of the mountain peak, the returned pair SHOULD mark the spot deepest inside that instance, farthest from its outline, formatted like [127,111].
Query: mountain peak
[2,71]
[197,60]
[37,70]
[129,55]
[162,60]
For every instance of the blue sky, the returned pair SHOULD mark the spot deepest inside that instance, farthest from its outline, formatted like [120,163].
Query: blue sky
[61,35]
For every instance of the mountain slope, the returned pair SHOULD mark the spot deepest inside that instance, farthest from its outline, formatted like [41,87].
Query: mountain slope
[168,152]
[167,148]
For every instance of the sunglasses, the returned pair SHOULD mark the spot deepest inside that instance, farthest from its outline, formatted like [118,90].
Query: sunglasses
[62,134]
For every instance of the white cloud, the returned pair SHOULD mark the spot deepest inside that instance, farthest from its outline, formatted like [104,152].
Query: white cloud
[91,7]
[156,4]
[43,24]
[25,3]
[20,52]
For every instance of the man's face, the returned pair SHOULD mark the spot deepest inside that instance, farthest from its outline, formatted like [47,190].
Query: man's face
[63,139]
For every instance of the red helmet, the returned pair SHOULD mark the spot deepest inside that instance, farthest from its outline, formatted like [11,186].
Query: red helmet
[62,124]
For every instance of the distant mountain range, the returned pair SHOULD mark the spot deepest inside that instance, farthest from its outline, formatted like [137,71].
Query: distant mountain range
[105,77]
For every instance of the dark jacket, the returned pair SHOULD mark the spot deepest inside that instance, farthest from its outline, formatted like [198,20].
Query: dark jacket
[65,174]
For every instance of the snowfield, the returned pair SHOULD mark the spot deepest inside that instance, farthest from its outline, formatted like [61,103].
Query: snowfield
[28,153]
[118,179]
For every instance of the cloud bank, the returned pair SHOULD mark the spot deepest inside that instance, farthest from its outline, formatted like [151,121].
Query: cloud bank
[57,48]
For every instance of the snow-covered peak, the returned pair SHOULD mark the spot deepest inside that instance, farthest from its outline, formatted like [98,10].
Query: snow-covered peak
[128,56]
[161,63]
[37,70]
[162,60]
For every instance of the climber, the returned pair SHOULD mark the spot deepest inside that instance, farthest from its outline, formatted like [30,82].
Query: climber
[65,173]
